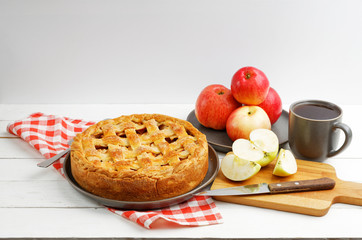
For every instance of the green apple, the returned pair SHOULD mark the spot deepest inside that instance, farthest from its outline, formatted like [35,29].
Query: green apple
[238,169]
[286,164]
[262,147]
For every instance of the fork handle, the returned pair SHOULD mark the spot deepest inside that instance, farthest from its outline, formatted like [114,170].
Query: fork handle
[50,161]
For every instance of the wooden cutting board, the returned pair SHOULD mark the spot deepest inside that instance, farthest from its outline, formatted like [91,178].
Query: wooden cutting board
[316,203]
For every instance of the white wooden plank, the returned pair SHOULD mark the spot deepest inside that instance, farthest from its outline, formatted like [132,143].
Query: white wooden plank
[17,148]
[240,222]
[30,194]
[65,223]
[3,131]
[25,169]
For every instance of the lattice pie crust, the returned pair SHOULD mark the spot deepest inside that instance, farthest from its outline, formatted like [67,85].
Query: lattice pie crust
[141,157]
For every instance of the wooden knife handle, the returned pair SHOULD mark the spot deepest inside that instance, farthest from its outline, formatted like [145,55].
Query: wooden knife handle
[303,185]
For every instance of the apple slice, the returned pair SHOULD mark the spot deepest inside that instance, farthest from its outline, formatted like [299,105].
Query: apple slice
[244,149]
[267,141]
[262,147]
[237,169]
[286,164]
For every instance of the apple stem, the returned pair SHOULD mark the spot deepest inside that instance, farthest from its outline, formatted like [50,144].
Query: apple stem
[220,93]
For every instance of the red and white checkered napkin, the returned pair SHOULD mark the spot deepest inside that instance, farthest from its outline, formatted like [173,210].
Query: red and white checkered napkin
[49,134]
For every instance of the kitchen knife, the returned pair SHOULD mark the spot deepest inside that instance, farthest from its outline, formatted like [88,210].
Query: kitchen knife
[272,188]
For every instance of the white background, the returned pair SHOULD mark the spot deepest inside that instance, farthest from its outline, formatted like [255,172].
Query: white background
[167,51]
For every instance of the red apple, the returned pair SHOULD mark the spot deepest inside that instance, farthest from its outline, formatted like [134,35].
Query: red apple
[249,86]
[272,105]
[214,105]
[245,119]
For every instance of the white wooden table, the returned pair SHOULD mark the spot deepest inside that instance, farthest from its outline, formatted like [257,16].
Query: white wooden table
[39,203]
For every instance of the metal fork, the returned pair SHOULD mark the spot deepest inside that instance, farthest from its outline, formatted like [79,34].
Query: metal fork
[50,161]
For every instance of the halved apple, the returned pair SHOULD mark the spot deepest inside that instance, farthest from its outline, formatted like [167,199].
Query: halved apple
[262,147]
[267,141]
[238,169]
[286,164]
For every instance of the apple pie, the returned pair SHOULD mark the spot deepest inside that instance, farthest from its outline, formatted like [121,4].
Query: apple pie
[140,157]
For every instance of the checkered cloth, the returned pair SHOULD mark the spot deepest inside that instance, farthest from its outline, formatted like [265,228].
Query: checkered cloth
[49,134]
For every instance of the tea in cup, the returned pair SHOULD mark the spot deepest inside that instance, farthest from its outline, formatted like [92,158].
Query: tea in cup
[314,130]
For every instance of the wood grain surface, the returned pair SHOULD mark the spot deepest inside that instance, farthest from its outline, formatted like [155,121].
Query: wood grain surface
[316,203]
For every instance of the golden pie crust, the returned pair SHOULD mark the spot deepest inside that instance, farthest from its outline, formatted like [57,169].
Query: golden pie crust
[140,157]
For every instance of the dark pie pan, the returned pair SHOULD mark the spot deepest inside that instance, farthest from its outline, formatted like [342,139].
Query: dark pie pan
[221,141]
[147,205]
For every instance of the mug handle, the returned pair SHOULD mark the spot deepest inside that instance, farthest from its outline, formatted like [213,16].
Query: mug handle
[348,134]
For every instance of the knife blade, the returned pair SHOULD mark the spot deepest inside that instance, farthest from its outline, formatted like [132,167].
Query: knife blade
[273,188]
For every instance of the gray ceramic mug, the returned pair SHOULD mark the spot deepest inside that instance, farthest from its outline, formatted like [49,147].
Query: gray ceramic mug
[314,128]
